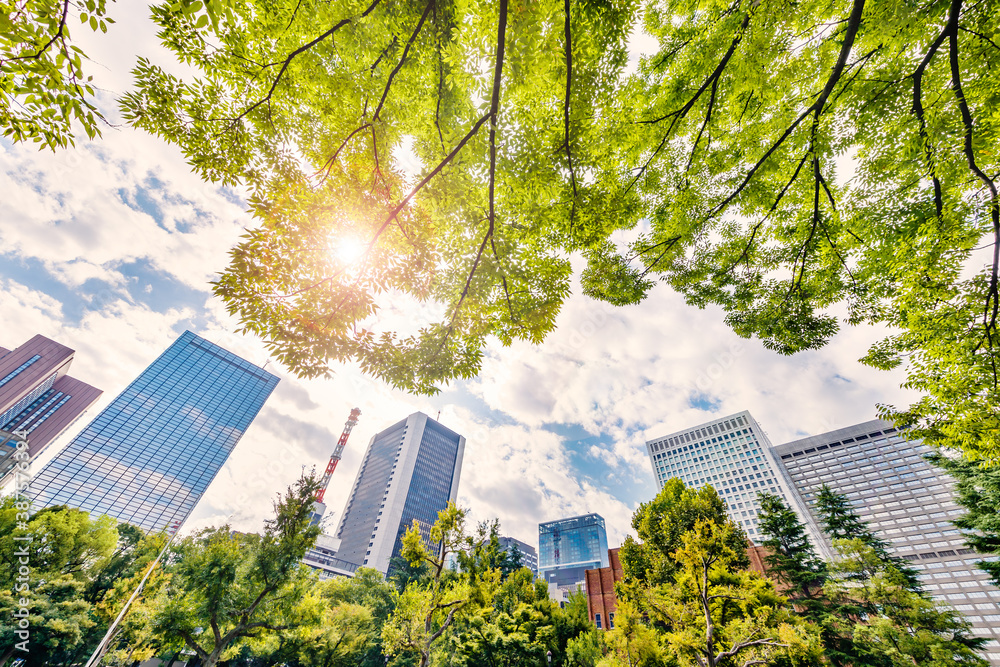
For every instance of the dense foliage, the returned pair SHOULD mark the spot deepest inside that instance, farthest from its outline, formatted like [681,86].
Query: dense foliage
[786,161]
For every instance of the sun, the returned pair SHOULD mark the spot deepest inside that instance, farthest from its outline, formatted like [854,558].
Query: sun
[348,249]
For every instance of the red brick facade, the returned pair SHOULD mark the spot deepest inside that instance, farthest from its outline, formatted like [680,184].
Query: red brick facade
[601,591]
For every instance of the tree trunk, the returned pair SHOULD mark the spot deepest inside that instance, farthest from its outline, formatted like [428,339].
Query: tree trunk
[6,656]
[214,656]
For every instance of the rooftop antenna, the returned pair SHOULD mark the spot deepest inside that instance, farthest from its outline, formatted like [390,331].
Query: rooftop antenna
[439,416]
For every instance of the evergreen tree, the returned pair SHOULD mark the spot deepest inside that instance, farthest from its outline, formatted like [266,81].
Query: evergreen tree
[842,523]
[901,627]
[791,558]
[793,562]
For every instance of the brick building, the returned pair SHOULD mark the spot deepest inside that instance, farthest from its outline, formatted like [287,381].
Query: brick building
[601,600]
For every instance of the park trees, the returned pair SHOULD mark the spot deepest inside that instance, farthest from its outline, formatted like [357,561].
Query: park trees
[48,561]
[226,589]
[426,609]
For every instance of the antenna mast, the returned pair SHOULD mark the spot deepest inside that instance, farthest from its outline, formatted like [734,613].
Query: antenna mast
[338,450]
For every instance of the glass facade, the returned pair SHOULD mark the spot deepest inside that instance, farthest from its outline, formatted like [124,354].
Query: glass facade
[569,547]
[365,505]
[430,485]
[730,454]
[409,473]
[907,502]
[149,456]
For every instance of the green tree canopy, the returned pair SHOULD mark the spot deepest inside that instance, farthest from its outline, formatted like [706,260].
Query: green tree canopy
[900,626]
[977,489]
[719,613]
[47,561]
[660,526]
[44,92]
[786,161]
[226,589]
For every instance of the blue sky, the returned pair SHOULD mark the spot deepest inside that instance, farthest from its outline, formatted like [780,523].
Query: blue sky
[110,247]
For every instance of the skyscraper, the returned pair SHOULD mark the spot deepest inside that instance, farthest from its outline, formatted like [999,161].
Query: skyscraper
[567,548]
[409,471]
[906,501]
[528,555]
[149,456]
[38,400]
[731,454]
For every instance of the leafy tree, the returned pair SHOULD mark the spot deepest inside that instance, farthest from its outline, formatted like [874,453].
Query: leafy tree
[59,549]
[401,572]
[132,553]
[900,625]
[369,591]
[520,625]
[840,522]
[506,140]
[719,613]
[586,649]
[977,489]
[236,588]
[661,524]
[43,87]
[727,140]
[632,643]
[424,611]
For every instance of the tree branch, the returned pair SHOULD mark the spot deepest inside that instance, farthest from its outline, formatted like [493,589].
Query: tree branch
[291,56]
[569,79]
[402,59]
[992,305]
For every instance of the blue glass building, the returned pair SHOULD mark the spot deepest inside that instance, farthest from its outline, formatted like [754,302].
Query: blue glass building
[410,472]
[569,547]
[149,456]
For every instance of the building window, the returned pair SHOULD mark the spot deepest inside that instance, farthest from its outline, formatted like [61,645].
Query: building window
[597,621]
[611,620]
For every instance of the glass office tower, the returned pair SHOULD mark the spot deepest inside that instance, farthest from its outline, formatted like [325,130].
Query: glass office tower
[569,547]
[907,502]
[410,471]
[149,456]
[731,454]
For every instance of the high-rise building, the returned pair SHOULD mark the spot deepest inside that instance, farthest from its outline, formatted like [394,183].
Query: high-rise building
[148,457]
[567,548]
[907,502]
[732,455]
[529,557]
[38,400]
[409,472]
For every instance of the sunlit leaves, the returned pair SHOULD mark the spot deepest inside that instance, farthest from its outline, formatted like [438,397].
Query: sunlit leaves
[374,118]
[45,95]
